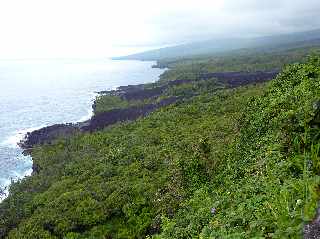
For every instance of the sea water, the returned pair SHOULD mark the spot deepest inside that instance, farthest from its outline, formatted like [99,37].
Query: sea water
[38,93]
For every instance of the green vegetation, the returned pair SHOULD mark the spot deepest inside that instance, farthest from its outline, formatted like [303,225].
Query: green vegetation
[221,163]
[105,103]
[242,60]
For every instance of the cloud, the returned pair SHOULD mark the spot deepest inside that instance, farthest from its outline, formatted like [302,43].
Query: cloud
[60,28]
[240,18]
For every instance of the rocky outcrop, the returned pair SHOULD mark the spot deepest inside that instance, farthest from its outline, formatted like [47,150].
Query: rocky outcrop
[47,135]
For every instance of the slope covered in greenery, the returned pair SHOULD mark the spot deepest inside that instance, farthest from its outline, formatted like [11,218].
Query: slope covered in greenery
[224,163]
[222,46]
[244,60]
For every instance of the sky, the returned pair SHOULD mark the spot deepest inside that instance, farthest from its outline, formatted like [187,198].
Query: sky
[100,28]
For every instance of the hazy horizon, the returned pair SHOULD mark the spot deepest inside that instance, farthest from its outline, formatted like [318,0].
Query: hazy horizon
[96,28]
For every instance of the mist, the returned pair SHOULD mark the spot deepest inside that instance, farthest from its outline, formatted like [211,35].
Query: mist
[53,29]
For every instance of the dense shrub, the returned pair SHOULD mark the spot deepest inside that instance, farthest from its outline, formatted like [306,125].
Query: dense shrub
[240,163]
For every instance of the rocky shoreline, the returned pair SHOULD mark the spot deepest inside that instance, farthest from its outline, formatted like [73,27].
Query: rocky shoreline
[135,92]
[50,133]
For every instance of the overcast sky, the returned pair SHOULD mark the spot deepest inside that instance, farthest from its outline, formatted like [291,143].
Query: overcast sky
[97,28]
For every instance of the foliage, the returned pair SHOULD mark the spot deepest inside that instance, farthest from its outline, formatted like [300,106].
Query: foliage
[105,103]
[268,185]
[223,163]
[244,60]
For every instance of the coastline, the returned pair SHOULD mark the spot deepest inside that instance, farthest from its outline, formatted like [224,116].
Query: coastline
[25,165]
[139,92]
[21,136]
[92,122]
[95,122]
[128,177]
[48,134]
[89,123]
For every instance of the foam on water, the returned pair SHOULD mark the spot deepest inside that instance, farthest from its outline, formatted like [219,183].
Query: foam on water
[17,136]
[25,161]
[16,175]
[90,110]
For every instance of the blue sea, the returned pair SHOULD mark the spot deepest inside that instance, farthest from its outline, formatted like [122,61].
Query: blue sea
[38,93]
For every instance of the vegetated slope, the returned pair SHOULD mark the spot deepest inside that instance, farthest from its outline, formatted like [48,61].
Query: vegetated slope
[120,181]
[246,61]
[228,163]
[268,184]
[222,46]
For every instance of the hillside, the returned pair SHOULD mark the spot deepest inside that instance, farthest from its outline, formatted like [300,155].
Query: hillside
[231,46]
[232,157]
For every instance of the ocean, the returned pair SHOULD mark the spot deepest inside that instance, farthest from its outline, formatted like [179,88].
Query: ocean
[38,93]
